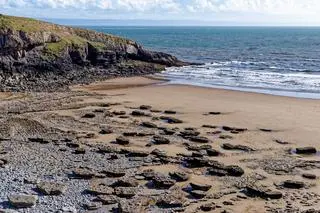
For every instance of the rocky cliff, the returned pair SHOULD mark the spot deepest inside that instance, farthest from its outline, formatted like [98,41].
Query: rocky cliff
[40,56]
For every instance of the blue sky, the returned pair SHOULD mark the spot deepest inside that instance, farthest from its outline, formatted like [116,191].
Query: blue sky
[247,12]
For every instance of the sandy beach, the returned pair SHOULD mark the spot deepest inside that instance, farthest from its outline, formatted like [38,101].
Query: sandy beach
[238,148]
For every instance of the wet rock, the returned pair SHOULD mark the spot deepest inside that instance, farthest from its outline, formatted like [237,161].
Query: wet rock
[228,146]
[306,150]
[89,115]
[293,184]
[200,186]
[309,176]
[51,188]
[126,182]
[179,176]
[22,201]
[160,140]
[122,140]
[199,139]
[149,125]
[197,194]
[171,120]
[125,192]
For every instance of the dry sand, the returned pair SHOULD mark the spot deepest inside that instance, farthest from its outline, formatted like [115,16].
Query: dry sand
[291,120]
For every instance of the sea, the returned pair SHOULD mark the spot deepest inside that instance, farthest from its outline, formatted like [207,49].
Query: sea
[273,60]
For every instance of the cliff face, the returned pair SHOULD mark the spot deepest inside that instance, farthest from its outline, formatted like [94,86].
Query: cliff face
[36,55]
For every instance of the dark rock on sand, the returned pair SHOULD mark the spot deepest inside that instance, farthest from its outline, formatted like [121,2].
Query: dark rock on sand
[84,173]
[254,191]
[200,186]
[122,140]
[228,146]
[99,188]
[114,173]
[306,150]
[149,125]
[171,112]
[160,140]
[197,194]
[89,115]
[162,182]
[213,153]
[293,184]
[208,207]
[125,182]
[22,201]
[145,107]
[125,192]
[199,139]
[179,176]
[171,120]
[38,140]
[309,176]
[107,199]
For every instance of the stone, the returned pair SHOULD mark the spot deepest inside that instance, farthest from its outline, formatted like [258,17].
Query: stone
[129,207]
[160,140]
[188,133]
[195,162]
[213,153]
[197,194]
[170,112]
[254,191]
[89,115]
[149,125]
[169,202]
[209,126]
[137,153]
[80,151]
[217,172]
[208,207]
[309,176]
[137,113]
[130,134]
[215,113]
[224,137]
[107,199]
[306,150]
[92,205]
[171,120]
[51,188]
[126,182]
[234,170]
[118,113]
[114,173]
[228,146]
[106,131]
[72,145]
[167,131]
[99,188]
[228,203]
[199,139]
[122,140]
[293,184]
[162,182]
[84,173]
[159,153]
[23,201]
[125,192]
[38,140]
[179,176]
[145,107]
[200,186]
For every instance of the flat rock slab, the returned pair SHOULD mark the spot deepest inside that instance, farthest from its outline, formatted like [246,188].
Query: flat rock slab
[23,201]
[51,188]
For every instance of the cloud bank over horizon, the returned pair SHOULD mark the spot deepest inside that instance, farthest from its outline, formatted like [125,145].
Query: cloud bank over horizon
[206,10]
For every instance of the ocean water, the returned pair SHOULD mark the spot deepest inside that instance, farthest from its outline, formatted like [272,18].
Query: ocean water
[273,60]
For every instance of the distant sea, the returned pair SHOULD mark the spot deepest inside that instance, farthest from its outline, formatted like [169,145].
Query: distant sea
[273,60]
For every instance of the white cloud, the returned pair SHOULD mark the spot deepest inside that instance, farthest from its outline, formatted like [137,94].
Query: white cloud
[284,7]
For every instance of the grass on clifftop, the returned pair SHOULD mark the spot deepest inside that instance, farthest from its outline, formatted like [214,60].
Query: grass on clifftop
[70,37]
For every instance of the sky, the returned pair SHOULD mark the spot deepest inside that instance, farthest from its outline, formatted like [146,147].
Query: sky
[210,12]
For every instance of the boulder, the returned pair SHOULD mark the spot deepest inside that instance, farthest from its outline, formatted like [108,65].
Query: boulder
[51,188]
[23,201]
[200,186]
[293,184]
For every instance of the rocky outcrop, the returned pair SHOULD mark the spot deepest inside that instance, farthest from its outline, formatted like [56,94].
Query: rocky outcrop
[40,56]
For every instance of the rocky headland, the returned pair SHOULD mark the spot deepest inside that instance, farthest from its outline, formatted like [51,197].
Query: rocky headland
[40,56]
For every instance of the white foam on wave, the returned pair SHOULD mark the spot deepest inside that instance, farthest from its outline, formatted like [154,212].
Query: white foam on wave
[220,74]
